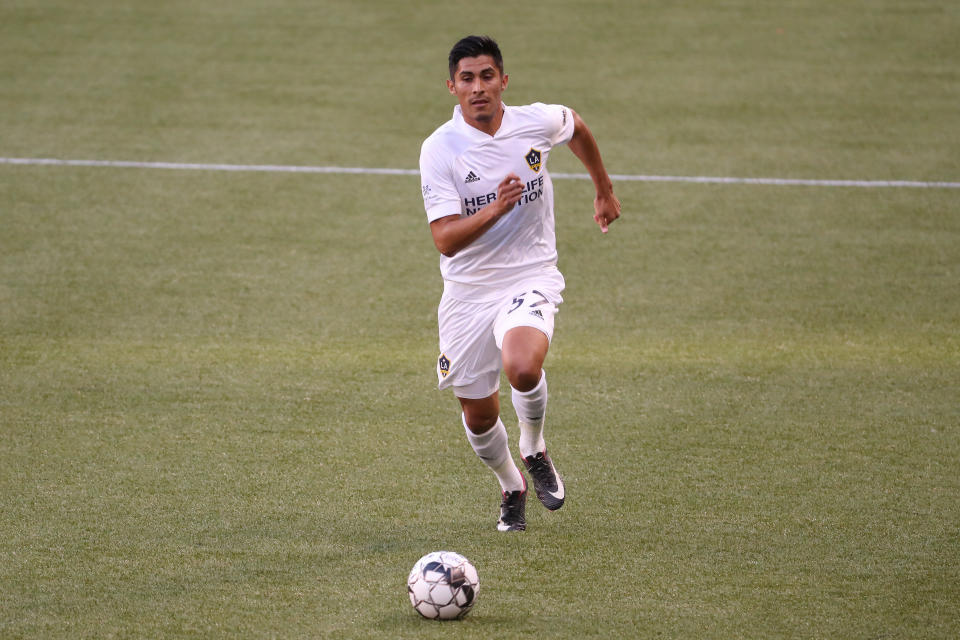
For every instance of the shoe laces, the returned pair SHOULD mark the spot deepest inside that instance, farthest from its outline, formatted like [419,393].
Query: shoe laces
[511,498]
[540,467]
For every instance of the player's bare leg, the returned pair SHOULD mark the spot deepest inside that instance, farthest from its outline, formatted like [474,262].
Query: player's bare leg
[488,437]
[524,350]
[480,414]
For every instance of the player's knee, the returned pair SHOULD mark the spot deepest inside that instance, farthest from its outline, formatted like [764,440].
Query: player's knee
[524,349]
[523,378]
[479,422]
[480,416]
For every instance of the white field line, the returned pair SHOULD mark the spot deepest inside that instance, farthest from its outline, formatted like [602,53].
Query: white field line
[273,168]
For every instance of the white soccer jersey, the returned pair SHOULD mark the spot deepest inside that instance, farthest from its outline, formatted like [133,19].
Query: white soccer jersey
[460,168]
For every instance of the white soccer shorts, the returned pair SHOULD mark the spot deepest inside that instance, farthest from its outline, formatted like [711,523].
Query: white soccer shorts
[471,335]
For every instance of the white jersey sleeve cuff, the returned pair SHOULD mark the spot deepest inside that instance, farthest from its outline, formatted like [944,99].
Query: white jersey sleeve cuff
[442,211]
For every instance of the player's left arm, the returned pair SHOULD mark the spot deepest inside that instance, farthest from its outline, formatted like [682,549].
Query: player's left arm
[606,206]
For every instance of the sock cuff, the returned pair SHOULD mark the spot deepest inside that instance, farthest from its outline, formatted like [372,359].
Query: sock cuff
[491,447]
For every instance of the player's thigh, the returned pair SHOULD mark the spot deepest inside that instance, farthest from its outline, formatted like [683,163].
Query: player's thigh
[524,350]
[523,330]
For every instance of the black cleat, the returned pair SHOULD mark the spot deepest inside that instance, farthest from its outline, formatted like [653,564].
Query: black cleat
[513,509]
[546,480]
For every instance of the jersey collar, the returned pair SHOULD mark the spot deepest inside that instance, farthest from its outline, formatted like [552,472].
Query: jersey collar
[472,131]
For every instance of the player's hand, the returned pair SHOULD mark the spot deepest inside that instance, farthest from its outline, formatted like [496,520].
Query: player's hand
[606,209]
[508,193]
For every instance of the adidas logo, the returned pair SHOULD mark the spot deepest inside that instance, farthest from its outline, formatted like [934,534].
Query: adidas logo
[538,313]
[472,177]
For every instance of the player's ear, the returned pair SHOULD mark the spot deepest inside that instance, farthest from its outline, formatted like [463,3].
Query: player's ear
[451,87]
[505,80]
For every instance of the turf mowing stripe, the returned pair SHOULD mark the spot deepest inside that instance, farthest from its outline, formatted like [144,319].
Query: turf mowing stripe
[272,168]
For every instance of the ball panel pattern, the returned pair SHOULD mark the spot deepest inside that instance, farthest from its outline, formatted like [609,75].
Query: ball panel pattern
[443,585]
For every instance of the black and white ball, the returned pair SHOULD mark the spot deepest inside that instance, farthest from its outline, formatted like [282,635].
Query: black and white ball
[443,585]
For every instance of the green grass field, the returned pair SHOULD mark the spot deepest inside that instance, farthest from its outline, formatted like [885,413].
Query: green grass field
[218,413]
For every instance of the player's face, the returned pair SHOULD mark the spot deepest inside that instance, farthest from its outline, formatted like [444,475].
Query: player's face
[478,83]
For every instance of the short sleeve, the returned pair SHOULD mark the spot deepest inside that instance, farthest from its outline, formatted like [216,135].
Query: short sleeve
[559,121]
[440,196]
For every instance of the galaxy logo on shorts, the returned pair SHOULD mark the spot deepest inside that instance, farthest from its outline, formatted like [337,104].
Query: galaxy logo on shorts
[443,365]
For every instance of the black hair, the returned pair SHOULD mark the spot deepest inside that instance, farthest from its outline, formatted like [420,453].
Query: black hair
[473,46]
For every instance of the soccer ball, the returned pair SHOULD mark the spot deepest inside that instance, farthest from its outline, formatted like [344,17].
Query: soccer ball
[443,585]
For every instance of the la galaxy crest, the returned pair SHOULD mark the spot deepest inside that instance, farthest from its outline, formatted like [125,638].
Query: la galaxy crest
[443,365]
[533,159]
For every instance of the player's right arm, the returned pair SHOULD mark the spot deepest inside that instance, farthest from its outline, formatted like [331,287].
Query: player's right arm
[453,233]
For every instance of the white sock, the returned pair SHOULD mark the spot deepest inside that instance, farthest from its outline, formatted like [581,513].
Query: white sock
[491,447]
[531,407]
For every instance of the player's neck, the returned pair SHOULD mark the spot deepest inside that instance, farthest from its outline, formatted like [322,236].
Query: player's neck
[489,127]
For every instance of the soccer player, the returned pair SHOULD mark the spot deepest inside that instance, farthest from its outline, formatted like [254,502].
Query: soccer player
[489,202]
